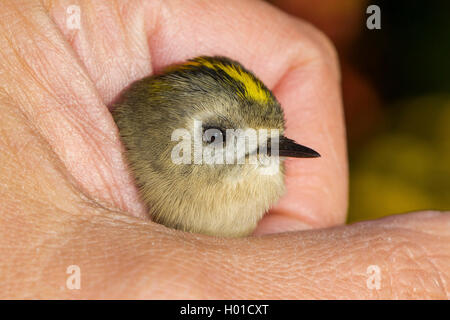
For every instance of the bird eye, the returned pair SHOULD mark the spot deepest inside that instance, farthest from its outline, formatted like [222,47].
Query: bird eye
[213,135]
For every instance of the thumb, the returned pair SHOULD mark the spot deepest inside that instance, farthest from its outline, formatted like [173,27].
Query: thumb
[399,257]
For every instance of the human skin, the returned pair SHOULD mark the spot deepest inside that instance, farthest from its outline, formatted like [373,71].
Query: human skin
[68,199]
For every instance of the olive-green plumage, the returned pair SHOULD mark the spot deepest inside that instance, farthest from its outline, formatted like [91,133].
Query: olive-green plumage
[221,199]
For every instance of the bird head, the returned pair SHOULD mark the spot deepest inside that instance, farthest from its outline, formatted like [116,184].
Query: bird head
[205,140]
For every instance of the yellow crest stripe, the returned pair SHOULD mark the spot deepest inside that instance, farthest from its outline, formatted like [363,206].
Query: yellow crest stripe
[253,87]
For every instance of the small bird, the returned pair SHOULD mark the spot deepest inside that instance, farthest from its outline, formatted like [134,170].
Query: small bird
[209,103]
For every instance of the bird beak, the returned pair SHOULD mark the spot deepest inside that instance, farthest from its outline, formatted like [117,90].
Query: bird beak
[289,148]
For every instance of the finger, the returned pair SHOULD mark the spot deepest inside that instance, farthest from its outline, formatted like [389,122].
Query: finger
[108,37]
[43,78]
[316,189]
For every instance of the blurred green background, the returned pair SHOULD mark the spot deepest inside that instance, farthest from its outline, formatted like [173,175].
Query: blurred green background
[396,91]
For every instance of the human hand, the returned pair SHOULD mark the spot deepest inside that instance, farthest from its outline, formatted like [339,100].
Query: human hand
[67,198]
